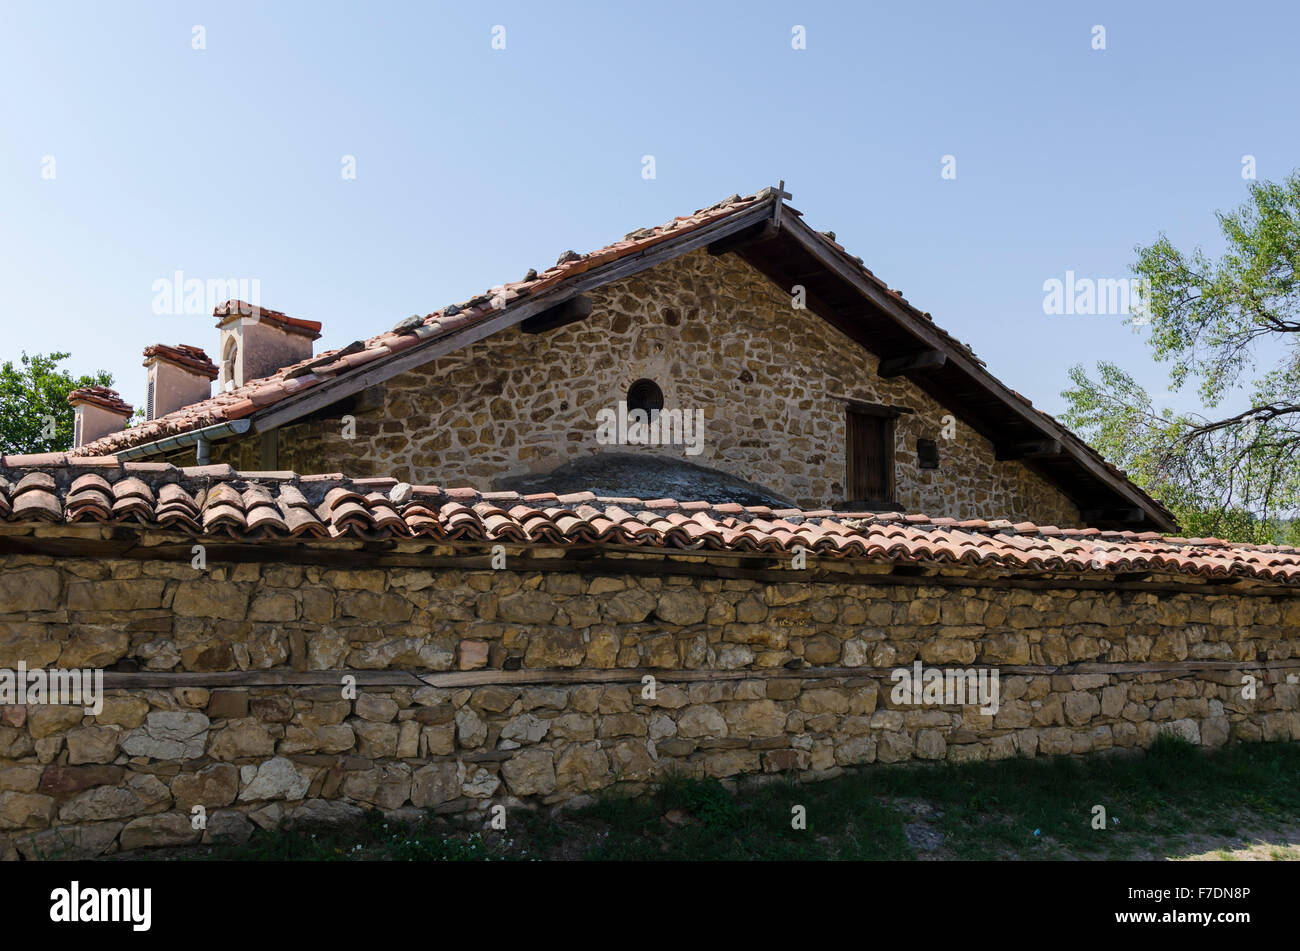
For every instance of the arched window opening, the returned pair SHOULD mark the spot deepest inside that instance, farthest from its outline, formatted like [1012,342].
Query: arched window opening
[645,395]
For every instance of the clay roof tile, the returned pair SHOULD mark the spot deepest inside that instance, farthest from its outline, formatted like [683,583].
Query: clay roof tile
[255,507]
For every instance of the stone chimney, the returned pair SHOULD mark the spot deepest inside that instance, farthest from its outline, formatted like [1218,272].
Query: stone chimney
[178,376]
[256,342]
[97,411]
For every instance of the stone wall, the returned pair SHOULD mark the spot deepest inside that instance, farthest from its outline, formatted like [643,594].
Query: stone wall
[441,720]
[716,335]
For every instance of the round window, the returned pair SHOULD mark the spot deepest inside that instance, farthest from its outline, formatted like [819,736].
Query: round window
[645,395]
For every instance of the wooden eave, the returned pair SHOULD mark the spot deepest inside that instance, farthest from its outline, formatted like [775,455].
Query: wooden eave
[876,319]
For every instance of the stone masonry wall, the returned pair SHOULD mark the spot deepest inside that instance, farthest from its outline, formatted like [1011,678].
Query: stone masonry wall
[716,335]
[726,701]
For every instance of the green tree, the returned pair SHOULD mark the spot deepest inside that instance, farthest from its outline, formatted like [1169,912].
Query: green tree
[1231,327]
[34,395]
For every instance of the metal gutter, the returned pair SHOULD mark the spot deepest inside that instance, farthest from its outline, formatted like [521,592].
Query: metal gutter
[197,437]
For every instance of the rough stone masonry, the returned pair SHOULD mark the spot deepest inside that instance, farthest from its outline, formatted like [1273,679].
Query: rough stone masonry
[468,419]
[525,686]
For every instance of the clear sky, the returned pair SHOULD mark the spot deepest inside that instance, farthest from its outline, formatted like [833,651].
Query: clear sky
[473,163]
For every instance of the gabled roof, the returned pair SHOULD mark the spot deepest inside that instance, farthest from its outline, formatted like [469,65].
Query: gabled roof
[283,508]
[772,237]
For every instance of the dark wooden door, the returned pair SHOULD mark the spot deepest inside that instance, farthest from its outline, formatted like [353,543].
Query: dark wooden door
[870,453]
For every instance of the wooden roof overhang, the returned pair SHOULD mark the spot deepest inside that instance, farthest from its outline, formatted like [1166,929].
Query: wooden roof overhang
[909,344]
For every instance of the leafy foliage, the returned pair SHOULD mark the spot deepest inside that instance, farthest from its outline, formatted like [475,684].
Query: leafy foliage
[33,393]
[1231,326]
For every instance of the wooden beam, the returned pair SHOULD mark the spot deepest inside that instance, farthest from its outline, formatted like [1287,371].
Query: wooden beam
[115,679]
[1034,449]
[1125,515]
[763,231]
[474,678]
[852,320]
[259,678]
[368,399]
[572,311]
[871,409]
[595,559]
[925,360]
[270,454]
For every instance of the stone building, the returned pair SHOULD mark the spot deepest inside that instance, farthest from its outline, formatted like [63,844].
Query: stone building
[437,516]
[790,373]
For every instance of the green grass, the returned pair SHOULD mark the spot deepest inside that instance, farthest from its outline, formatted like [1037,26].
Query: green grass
[756,825]
[991,810]
[377,838]
[1165,801]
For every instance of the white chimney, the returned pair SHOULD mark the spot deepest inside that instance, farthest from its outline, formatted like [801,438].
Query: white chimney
[97,411]
[256,342]
[178,376]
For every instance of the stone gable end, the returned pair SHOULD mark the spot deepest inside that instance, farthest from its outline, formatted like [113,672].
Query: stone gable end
[715,335]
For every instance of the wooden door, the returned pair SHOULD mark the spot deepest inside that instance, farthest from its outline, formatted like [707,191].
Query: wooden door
[870,454]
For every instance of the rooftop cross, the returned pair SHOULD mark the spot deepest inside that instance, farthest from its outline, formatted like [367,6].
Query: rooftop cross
[781,195]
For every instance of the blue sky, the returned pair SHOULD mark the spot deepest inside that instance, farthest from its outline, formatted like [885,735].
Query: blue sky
[474,164]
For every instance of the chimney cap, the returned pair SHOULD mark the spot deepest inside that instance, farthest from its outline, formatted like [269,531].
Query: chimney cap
[102,396]
[184,356]
[234,309]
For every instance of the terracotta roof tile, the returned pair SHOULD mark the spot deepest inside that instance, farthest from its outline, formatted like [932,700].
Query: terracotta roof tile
[36,504]
[191,358]
[34,480]
[238,308]
[102,396]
